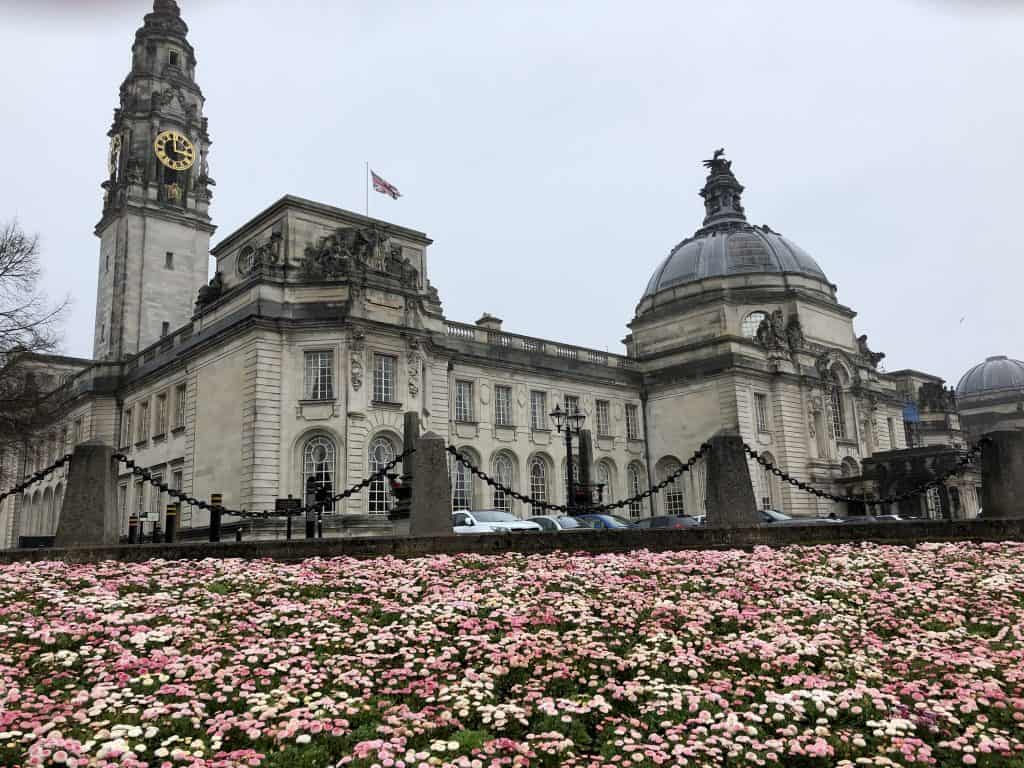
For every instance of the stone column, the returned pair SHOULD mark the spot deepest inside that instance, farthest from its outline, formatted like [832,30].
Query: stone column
[586,460]
[410,434]
[431,510]
[89,514]
[1002,475]
[730,495]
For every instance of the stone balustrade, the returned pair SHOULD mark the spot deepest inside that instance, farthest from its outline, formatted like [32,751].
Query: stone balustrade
[531,344]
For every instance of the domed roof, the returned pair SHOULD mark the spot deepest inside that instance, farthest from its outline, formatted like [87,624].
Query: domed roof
[727,244]
[994,375]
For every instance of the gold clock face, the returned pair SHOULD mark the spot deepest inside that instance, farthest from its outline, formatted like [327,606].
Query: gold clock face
[115,151]
[175,151]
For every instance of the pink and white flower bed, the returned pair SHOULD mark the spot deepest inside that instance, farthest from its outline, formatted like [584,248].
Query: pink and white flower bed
[823,656]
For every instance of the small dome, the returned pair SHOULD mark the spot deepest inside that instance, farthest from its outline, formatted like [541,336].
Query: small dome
[732,252]
[996,374]
[727,244]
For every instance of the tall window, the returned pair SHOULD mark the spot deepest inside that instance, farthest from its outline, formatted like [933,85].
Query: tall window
[503,473]
[632,422]
[838,422]
[76,433]
[168,260]
[161,414]
[318,460]
[674,496]
[538,482]
[122,504]
[634,482]
[933,503]
[319,375]
[143,431]
[126,427]
[751,323]
[462,487]
[165,328]
[140,500]
[761,411]
[604,422]
[154,499]
[384,378]
[604,478]
[503,406]
[464,403]
[538,410]
[892,433]
[180,396]
[381,453]
[572,404]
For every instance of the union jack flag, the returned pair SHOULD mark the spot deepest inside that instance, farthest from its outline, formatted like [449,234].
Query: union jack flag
[379,185]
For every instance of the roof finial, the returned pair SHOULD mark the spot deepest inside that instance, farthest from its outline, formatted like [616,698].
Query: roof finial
[166,6]
[721,193]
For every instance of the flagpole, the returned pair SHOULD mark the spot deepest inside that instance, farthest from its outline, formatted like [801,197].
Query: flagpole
[367,189]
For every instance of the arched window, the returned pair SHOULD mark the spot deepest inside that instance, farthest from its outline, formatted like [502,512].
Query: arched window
[634,484]
[382,452]
[764,481]
[751,323]
[603,472]
[462,484]
[674,498]
[538,482]
[504,473]
[835,398]
[318,462]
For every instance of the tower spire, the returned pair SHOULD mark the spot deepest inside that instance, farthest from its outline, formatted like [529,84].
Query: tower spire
[721,193]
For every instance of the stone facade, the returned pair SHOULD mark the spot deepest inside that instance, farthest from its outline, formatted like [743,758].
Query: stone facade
[320,328]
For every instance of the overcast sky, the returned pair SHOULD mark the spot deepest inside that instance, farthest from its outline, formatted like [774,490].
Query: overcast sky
[554,153]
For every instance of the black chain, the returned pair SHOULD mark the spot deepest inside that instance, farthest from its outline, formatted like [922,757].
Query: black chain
[265,514]
[965,460]
[586,509]
[35,477]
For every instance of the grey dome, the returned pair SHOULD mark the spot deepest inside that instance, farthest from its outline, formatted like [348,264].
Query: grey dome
[731,252]
[994,375]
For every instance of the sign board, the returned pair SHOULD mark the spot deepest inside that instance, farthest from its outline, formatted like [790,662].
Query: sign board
[287,505]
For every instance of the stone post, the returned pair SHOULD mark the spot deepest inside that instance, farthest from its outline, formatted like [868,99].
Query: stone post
[730,494]
[1002,475]
[431,510]
[586,463]
[410,434]
[89,514]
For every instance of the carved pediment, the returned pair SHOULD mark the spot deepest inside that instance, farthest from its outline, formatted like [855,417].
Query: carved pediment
[352,251]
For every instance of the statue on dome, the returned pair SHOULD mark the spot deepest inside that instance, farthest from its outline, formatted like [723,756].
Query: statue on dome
[718,163]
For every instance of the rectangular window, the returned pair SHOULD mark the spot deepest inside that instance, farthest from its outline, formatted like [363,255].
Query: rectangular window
[140,500]
[464,401]
[155,498]
[538,410]
[761,412]
[604,422]
[319,376]
[384,378]
[165,328]
[572,404]
[180,396]
[126,427]
[503,406]
[174,58]
[892,433]
[838,422]
[76,433]
[160,426]
[142,434]
[632,422]
[169,260]
[122,505]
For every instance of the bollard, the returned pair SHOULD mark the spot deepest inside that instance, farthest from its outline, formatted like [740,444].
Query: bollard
[1002,475]
[320,523]
[171,523]
[133,529]
[730,494]
[431,513]
[238,534]
[288,525]
[89,514]
[215,502]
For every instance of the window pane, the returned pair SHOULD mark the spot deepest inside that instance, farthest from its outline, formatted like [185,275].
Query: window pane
[632,423]
[538,483]
[384,378]
[838,424]
[751,323]
[318,462]
[538,410]
[635,488]
[463,401]
[319,376]
[381,453]
[503,406]
[603,420]
[761,412]
[503,474]
[572,404]
[462,490]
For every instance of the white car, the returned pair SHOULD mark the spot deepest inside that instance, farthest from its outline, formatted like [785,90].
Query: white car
[489,521]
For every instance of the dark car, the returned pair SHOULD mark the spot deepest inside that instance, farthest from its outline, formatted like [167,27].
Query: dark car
[562,523]
[609,522]
[668,521]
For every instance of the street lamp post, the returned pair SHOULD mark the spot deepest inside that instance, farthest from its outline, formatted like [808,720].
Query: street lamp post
[571,421]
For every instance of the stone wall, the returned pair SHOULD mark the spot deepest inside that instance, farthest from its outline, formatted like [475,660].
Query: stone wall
[900,534]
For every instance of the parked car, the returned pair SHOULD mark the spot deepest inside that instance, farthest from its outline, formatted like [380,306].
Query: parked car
[609,522]
[854,519]
[561,523]
[489,521]
[667,521]
[774,517]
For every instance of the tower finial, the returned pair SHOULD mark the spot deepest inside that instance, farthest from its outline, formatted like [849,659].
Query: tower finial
[166,6]
[721,194]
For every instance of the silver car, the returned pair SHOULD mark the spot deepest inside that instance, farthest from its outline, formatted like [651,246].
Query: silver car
[561,523]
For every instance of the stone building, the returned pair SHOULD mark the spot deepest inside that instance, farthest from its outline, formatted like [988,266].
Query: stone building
[321,327]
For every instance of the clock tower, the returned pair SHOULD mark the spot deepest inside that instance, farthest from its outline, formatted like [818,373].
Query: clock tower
[155,229]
